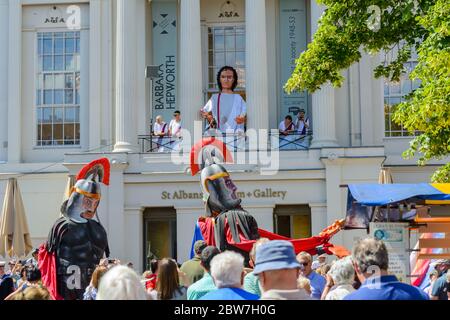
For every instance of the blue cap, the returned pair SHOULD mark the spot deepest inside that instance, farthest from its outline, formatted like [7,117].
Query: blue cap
[275,255]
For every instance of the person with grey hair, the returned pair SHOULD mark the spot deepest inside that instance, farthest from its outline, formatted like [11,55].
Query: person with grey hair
[227,270]
[339,280]
[121,283]
[160,130]
[370,261]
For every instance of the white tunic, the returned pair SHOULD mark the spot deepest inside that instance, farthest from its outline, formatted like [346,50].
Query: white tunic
[231,106]
[175,128]
[282,126]
[300,125]
[160,128]
[175,131]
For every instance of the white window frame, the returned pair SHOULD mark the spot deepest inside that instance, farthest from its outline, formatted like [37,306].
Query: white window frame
[388,133]
[207,90]
[38,72]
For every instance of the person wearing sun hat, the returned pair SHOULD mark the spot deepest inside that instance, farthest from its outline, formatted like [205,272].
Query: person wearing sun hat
[278,269]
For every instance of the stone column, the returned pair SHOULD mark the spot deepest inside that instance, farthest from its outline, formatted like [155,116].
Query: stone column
[15,82]
[186,220]
[256,65]
[4,21]
[107,86]
[134,238]
[117,236]
[127,76]
[323,102]
[95,73]
[190,93]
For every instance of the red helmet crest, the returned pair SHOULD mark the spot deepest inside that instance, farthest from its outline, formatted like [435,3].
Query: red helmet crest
[99,167]
[198,147]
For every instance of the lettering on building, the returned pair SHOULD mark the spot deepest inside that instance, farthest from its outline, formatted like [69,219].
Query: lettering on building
[181,195]
[293,43]
[54,16]
[164,85]
[54,20]
[256,193]
[228,10]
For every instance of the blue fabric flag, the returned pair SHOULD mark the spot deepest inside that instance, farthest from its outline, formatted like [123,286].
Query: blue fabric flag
[197,236]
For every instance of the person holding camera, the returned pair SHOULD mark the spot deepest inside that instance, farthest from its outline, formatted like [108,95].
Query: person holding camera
[91,290]
[302,123]
[33,279]
[6,282]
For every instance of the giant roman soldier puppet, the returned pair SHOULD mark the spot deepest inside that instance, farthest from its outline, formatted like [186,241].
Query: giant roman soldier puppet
[222,203]
[226,224]
[76,242]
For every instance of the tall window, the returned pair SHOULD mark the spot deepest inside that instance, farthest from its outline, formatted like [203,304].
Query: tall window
[394,93]
[58,89]
[226,46]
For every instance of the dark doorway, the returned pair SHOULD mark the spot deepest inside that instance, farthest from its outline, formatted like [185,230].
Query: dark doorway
[160,234]
[293,221]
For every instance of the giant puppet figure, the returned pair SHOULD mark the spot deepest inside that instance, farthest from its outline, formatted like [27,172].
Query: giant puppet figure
[76,242]
[225,215]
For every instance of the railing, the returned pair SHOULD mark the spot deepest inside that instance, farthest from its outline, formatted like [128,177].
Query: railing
[233,141]
[291,141]
[155,143]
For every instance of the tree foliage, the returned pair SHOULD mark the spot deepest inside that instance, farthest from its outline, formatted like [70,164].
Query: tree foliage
[348,28]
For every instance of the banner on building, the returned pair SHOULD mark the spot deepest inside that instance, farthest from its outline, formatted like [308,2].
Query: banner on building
[164,44]
[396,238]
[292,43]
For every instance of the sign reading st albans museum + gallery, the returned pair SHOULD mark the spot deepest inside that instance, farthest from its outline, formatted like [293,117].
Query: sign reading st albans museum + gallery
[292,43]
[164,37]
[256,193]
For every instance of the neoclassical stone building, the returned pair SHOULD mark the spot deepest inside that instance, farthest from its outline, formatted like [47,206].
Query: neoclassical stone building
[74,86]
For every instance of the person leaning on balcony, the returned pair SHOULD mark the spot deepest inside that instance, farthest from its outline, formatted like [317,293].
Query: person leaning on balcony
[175,125]
[286,127]
[227,110]
[160,127]
[175,131]
[302,123]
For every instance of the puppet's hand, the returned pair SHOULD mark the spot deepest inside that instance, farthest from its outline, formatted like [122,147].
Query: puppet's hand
[241,119]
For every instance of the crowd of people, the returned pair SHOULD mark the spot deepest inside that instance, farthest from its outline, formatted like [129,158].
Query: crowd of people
[275,273]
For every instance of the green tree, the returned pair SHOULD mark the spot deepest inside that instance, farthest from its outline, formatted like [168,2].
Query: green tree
[348,28]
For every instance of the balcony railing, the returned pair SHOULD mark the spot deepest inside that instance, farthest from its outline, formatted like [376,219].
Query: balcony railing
[234,142]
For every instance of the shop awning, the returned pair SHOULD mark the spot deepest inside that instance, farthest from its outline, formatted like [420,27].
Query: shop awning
[382,194]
